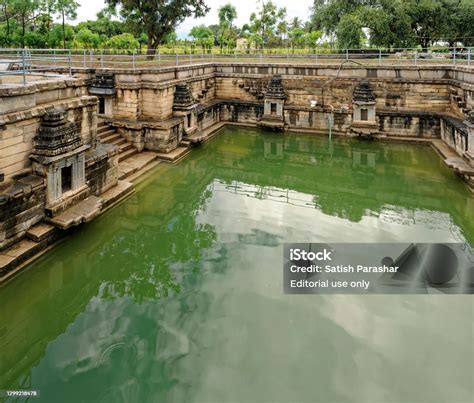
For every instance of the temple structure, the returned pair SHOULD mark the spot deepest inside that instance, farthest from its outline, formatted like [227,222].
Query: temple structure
[273,103]
[364,120]
[72,145]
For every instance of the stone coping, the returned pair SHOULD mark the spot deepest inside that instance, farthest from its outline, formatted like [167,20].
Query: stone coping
[39,111]
[336,66]
[13,90]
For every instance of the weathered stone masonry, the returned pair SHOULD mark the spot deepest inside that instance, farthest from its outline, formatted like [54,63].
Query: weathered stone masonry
[421,102]
[50,161]
[54,173]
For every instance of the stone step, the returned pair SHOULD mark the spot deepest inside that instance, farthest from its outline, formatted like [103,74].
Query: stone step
[106,133]
[127,154]
[17,254]
[118,192]
[174,155]
[118,142]
[40,232]
[125,147]
[110,139]
[104,128]
[136,163]
[84,211]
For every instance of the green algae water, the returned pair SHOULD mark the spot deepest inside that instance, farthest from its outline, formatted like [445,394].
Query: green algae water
[176,294]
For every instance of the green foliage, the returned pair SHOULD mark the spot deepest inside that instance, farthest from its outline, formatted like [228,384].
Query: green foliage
[349,32]
[86,39]
[227,35]
[123,43]
[396,23]
[157,18]
[203,37]
[263,23]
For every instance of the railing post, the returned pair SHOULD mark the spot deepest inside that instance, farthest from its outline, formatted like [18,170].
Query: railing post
[90,58]
[380,57]
[347,54]
[454,56]
[177,62]
[23,66]
[469,56]
[54,57]
[85,63]
[101,58]
[70,63]
[190,58]
[416,57]
[133,60]
[159,57]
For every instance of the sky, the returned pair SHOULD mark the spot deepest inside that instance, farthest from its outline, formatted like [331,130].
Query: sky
[295,8]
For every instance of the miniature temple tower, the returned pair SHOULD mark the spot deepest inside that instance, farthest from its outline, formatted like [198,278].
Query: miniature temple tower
[363,104]
[274,99]
[184,105]
[59,156]
[103,87]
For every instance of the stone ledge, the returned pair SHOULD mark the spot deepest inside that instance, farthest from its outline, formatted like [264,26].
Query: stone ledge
[40,232]
[84,211]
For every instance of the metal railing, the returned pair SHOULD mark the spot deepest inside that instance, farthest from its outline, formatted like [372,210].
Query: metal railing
[29,61]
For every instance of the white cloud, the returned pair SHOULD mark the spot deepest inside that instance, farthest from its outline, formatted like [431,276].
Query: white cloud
[295,8]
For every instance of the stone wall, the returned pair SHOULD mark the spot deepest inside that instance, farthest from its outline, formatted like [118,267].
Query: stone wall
[22,110]
[21,206]
[407,90]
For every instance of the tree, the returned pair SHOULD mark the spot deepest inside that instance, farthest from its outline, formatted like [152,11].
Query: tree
[203,37]
[428,19]
[122,43]
[389,25]
[24,11]
[282,26]
[67,10]
[263,23]
[311,39]
[297,37]
[464,22]
[158,18]
[8,13]
[87,39]
[227,14]
[349,32]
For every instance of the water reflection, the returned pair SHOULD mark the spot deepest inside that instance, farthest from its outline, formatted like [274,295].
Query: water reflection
[176,288]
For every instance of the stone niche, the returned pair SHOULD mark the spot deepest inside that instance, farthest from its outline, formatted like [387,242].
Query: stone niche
[469,122]
[273,102]
[103,87]
[364,120]
[185,106]
[59,156]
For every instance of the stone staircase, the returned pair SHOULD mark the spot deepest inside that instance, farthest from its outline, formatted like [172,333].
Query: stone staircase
[108,135]
[459,101]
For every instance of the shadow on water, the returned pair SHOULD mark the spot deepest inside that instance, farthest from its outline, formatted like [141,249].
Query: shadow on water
[140,304]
